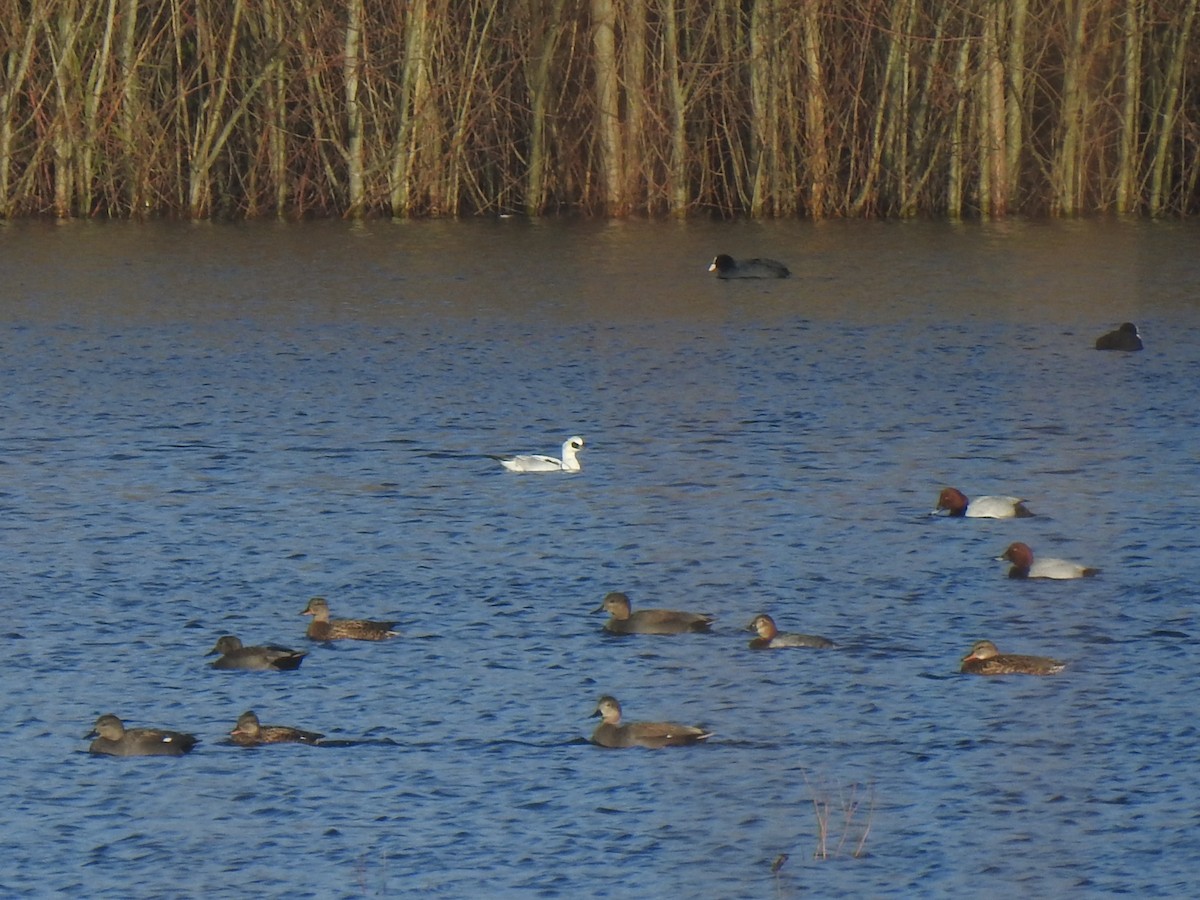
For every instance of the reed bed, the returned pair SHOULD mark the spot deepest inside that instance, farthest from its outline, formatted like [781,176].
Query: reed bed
[819,108]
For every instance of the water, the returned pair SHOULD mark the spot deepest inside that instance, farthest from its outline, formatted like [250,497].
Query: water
[203,426]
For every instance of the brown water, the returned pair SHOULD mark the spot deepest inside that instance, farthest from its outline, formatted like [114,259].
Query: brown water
[204,425]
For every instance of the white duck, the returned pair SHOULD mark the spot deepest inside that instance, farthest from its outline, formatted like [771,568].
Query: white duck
[538,463]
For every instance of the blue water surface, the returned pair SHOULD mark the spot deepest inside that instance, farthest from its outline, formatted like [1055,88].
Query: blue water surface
[203,426]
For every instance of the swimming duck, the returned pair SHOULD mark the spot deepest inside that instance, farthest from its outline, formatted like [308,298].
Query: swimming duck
[249,732]
[261,659]
[655,735]
[727,267]
[537,463]
[1025,566]
[322,628]
[649,621]
[955,502]
[985,659]
[112,738]
[771,638]
[1124,338]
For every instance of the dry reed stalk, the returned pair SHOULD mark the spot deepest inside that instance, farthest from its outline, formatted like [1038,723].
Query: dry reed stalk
[1067,172]
[955,186]
[635,151]
[1015,100]
[462,179]
[413,126]
[816,126]
[1168,111]
[274,118]
[20,37]
[219,110]
[846,804]
[890,105]
[1127,146]
[765,80]
[926,127]
[993,166]
[351,64]
[677,94]
[544,41]
[61,35]
[608,108]
[319,176]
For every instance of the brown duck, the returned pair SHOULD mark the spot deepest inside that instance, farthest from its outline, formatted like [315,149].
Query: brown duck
[322,628]
[655,735]
[649,621]
[265,658]
[985,659]
[249,732]
[112,738]
[771,638]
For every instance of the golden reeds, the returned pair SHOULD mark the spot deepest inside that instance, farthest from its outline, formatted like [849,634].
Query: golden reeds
[439,107]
